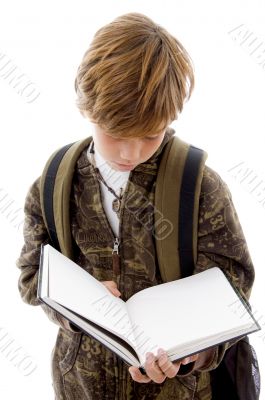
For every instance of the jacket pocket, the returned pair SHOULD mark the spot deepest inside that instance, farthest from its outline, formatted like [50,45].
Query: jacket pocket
[71,349]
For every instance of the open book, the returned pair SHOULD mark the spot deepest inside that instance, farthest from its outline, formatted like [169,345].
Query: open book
[183,316]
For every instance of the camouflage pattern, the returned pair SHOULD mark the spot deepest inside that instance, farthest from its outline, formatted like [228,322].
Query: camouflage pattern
[83,369]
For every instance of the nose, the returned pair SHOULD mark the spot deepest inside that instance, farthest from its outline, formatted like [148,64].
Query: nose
[130,151]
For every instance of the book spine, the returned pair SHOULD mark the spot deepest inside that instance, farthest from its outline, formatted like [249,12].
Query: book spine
[40,273]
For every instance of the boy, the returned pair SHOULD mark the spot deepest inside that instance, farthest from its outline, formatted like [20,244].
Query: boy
[132,83]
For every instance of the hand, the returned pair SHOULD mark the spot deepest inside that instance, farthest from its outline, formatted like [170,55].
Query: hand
[159,368]
[112,286]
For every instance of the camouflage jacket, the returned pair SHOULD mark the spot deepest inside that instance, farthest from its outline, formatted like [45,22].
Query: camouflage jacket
[82,368]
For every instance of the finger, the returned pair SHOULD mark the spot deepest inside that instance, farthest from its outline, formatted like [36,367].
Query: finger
[111,283]
[169,369]
[194,357]
[137,376]
[189,359]
[112,287]
[116,292]
[153,370]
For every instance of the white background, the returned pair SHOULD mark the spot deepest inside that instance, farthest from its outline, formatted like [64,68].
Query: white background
[225,116]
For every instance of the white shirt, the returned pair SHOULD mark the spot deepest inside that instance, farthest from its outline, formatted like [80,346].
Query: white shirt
[115,180]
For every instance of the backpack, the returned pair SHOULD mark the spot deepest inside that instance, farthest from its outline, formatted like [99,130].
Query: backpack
[177,195]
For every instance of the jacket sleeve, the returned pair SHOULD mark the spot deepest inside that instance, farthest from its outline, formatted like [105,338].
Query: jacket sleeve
[221,243]
[35,234]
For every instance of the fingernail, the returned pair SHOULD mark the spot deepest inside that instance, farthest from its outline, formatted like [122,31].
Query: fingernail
[149,355]
[161,352]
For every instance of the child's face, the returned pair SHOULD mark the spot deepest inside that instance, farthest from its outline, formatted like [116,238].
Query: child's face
[126,154]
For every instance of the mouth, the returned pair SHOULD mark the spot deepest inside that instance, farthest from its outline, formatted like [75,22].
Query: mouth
[125,167]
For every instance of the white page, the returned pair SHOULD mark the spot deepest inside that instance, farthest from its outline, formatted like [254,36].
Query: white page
[185,310]
[74,288]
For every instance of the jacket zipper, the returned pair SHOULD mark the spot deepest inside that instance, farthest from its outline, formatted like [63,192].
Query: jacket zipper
[116,261]
[115,251]
[116,269]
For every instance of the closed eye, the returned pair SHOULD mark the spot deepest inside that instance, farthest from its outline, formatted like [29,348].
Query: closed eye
[152,137]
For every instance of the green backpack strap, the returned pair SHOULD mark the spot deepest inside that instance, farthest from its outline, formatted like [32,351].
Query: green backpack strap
[176,208]
[55,190]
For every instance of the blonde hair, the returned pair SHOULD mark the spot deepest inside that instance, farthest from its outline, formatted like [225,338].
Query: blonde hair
[134,78]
